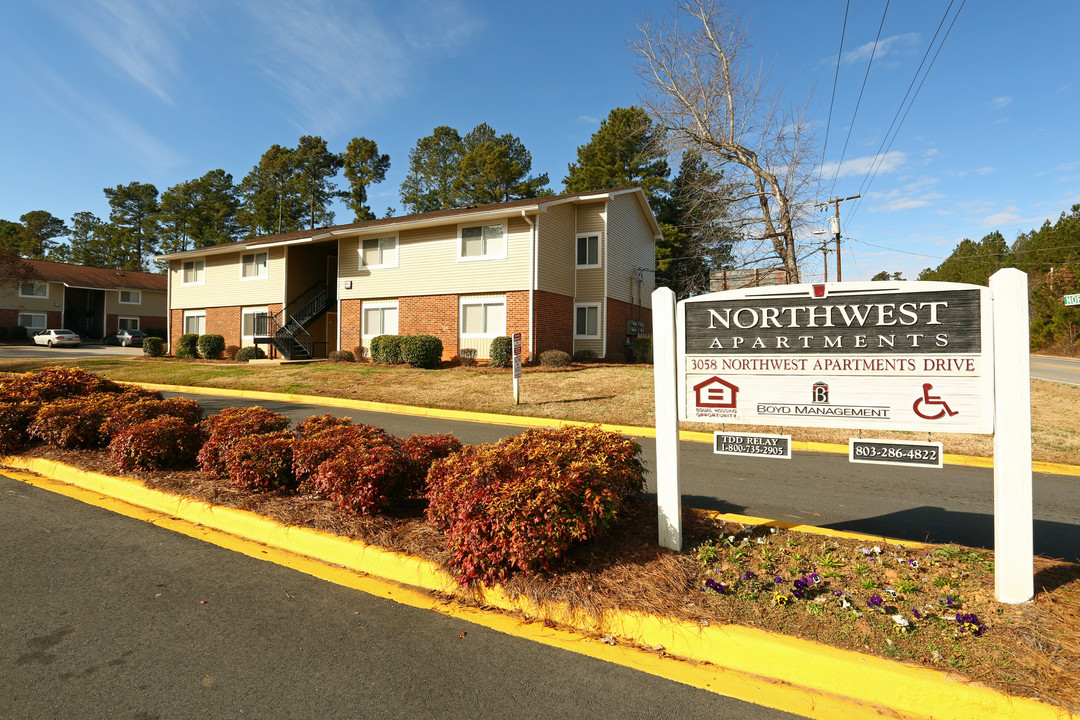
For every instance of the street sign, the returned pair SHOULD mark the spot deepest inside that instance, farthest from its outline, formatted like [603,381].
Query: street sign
[517,366]
[896,356]
[516,340]
[516,337]
[895,452]
[1072,299]
[752,444]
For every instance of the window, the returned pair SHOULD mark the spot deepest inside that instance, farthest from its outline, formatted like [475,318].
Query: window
[380,319]
[194,272]
[483,318]
[379,252]
[587,321]
[253,265]
[253,324]
[33,321]
[33,289]
[588,251]
[128,323]
[130,297]
[195,322]
[482,242]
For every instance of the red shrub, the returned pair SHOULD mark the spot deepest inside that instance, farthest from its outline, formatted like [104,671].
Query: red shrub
[156,444]
[228,426]
[362,478]
[262,462]
[74,422]
[521,503]
[324,436]
[54,383]
[422,450]
[316,424]
[15,419]
[133,409]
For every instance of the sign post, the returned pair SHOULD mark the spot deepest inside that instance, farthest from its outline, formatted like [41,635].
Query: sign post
[668,491]
[517,367]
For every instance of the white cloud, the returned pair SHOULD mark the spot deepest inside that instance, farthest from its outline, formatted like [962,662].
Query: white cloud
[854,167]
[886,47]
[1001,102]
[334,59]
[137,36]
[1008,216]
[589,120]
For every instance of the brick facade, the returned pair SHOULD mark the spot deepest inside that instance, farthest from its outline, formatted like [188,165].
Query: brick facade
[517,319]
[10,318]
[554,321]
[618,312]
[431,315]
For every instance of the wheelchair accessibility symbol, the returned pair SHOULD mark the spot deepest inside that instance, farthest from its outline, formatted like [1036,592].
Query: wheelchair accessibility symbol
[928,400]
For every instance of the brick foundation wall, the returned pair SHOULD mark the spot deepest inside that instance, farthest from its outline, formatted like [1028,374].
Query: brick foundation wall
[431,315]
[554,321]
[10,318]
[517,319]
[350,316]
[618,312]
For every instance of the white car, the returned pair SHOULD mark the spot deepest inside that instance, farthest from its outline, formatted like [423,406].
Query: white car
[57,338]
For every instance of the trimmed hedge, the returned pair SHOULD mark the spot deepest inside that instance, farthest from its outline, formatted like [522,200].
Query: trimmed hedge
[157,444]
[134,410]
[74,422]
[420,452]
[262,462]
[422,351]
[53,383]
[153,347]
[250,352]
[187,346]
[521,503]
[643,350]
[386,349]
[555,358]
[19,333]
[211,346]
[585,356]
[362,479]
[340,356]
[501,352]
[229,426]
[15,419]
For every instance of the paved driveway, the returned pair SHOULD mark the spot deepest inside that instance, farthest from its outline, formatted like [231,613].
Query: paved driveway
[93,348]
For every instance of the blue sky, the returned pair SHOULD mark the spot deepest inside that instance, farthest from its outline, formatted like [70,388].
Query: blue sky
[105,92]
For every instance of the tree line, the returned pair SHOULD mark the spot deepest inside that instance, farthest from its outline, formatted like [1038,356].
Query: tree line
[1049,254]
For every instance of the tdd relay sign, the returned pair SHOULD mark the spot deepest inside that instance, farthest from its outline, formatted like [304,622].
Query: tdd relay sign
[892,356]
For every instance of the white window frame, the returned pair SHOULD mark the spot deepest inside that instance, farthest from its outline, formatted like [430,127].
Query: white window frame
[461,257]
[246,339]
[390,242]
[380,305]
[35,284]
[599,321]
[137,294]
[599,248]
[31,327]
[201,280]
[261,271]
[133,323]
[484,303]
[193,314]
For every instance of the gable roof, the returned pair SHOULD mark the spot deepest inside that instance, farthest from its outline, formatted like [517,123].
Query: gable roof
[96,278]
[437,217]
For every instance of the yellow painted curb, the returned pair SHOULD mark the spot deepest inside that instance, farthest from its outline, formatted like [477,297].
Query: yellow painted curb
[794,675]
[524,421]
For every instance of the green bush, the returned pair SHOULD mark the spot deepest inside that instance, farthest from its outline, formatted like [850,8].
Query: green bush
[643,350]
[230,351]
[262,462]
[187,346]
[227,427]
[501,352]
[555,358]
[521,503]
[211,346]
[250,352]
[422,351]
[19,333]
[386,349]
[3,333]
[156,444]
[585,356]
[340,356]
[153,347]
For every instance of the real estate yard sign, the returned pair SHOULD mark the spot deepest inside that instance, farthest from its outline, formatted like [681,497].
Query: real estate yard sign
[936,357]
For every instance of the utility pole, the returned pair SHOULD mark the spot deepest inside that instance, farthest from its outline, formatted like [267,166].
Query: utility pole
[834,225]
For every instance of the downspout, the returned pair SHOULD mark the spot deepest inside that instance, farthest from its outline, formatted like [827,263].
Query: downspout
[168,310]
[532,282]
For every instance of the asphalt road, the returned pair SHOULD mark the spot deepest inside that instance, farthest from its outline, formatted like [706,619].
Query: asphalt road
[953,504]
[89,349]
[105,616]
[1057,369]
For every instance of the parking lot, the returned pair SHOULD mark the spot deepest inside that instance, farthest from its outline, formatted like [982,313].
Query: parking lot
[93,348]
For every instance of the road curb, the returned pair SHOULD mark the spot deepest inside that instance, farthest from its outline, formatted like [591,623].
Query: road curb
[785,673]
[525,421]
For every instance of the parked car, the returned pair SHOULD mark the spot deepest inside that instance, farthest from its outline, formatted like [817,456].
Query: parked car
[126,338]
[57,338]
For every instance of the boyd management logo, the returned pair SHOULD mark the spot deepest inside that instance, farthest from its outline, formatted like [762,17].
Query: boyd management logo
[820,393]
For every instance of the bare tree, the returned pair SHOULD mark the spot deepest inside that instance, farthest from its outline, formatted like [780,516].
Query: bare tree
[711,100]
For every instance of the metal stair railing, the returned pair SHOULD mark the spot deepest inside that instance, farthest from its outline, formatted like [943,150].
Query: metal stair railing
[291,334]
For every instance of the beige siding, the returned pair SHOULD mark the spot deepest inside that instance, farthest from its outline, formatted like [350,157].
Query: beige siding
[630,246]
[555,261]
[223,286]
[10,298]
[153,303]
[590,217]
[428,265]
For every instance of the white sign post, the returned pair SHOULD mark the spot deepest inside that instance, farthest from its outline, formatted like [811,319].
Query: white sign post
[516,337]
[916,356]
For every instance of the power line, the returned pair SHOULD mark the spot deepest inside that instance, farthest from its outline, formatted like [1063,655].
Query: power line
[858,102]
[832,100]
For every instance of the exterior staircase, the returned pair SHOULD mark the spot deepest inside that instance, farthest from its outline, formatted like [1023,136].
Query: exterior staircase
[287,330]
